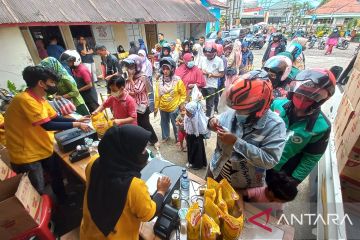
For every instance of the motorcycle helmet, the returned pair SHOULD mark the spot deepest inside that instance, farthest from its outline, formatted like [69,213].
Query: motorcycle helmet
[277,35]
[69,56]
[228,47]
[166,46]
[280,66]
[133,60]
[210,50]
[295,49]
[251,93]
[315,84]
[167,61]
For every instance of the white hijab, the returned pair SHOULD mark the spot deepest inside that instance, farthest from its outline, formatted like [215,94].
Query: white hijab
[197,124]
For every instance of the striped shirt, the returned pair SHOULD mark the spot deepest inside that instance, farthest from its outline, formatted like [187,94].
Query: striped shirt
[138,89]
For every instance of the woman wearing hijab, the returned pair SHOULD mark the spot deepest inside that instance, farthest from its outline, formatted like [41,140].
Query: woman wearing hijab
[332,41]
[148,70]
[198,53]
[116,200]
[67,87]
[190,74]
[137,87]
[142,45]
[122,54]
[195,124]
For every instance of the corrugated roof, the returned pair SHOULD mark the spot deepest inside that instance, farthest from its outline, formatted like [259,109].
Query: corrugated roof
[217,3]
[31,12]
[339,7]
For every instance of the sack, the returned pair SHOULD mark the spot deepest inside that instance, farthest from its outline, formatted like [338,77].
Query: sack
[141,108]
[193,219]
[209,228]
[63,106]
[100,123]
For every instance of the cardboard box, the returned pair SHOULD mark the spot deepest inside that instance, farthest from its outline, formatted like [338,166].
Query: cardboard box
[342,158]
[5,171]
[350,190]
[345,113]
[352,131]
[352,89]
[351,172]
[20,206]
[357,62]
[4,155]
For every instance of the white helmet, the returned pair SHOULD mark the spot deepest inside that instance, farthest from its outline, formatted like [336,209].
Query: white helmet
[71,55]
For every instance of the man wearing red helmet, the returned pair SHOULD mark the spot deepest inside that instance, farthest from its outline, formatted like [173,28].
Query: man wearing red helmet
[308,129]
[250,137]
[213,69]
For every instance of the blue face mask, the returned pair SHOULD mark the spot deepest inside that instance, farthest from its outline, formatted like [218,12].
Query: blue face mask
[241,118]
[190,64]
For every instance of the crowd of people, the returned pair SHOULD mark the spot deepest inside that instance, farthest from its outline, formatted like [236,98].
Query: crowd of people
[268,122]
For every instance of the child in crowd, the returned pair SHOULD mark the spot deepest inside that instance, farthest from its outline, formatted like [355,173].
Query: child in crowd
[279,189]
[122,104]
[180,125]
[247,59]
[195,124]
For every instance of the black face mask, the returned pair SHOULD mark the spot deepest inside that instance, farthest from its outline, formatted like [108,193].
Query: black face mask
[142,158]
[51,89]
[195,53]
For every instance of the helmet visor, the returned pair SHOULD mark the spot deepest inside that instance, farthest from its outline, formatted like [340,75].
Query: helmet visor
[309,89]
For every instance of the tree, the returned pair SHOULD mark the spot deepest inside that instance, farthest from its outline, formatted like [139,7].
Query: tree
[323,2]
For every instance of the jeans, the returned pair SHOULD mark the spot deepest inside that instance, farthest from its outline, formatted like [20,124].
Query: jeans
[151,96]
[144,122]
[92,69]
[209,100]
[36,174]
[166,117]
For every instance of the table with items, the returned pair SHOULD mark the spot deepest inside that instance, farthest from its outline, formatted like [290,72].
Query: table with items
[221,213]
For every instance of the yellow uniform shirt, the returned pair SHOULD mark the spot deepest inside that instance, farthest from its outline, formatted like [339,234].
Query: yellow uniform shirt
[2,130]
[139,207]
[170,101]
[26,140]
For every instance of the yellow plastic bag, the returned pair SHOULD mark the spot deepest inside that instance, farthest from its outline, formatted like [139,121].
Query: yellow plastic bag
[229,194]
[209,229]
[213,210]
[100,123]
[221,202]
[193,220]
[212,184]
[210,193]
[232,227]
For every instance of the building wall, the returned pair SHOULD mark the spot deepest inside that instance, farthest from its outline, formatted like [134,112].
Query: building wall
[169,30]
[120,35]
[17,55]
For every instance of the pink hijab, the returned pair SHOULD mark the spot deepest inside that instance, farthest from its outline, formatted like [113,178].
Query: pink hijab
[190,75]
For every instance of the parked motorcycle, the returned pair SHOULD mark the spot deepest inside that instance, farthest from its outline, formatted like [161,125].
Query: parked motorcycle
[257,42]
[343,44]
[312,40]
[322,42]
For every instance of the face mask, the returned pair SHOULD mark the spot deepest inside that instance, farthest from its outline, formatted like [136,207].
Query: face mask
[300,104]
[195,53]
[51,89]
[142,158]
[115,94]
[240,118]
[190,64]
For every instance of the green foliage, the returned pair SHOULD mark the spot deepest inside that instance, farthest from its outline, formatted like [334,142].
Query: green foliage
[12,87]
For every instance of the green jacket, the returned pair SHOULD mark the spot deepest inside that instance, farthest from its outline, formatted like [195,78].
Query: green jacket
[307,140]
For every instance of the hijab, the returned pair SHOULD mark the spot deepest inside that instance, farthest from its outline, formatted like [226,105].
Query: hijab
[146,64]
[54,64]
[198,48]
[237,53]
[197,123]
[112,173]
[189,75]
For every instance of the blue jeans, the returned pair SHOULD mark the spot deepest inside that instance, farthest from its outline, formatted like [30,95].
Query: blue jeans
[151,96]
[166,117]
[52,165]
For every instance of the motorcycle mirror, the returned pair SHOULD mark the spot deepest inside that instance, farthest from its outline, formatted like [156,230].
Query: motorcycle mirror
[336,70]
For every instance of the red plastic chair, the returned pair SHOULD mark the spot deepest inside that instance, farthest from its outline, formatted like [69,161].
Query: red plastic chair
[42,231]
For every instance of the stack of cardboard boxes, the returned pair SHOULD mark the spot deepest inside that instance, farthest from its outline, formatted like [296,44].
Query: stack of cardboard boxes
[347,141]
